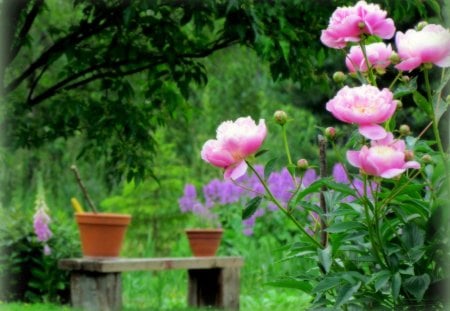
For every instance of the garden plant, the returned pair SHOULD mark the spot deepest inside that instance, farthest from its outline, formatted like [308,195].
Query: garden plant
[377,236]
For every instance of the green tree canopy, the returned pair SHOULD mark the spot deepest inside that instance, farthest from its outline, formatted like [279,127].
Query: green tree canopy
[113,71]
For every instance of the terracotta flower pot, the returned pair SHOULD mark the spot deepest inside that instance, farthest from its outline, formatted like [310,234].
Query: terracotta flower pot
[204,242]
[102,234]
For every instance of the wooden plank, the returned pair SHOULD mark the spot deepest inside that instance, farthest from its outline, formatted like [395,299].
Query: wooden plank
[135,264]
[230,281]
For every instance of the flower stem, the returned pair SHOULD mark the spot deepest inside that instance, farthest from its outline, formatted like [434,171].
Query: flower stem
[280,207]
[286,145]
[433,115]
[372,79]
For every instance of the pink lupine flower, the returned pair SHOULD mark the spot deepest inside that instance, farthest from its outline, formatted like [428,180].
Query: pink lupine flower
[378,55]
[429,45]
[385,158]
[235,142]
[41,224]
[47,250]
[347,24]
[366,106]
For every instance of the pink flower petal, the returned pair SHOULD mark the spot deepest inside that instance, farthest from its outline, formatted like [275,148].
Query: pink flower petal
[412,164]
[372,131]
[353,158]
[390,173]
[235,171]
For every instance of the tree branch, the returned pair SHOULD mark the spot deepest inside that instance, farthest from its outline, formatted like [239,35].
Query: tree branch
[65,85]
[31,16]
[83,32]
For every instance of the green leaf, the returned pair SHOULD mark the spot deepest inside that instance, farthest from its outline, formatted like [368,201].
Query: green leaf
[326,284]
[417,285]
[413,236]
[261,152]
[304,286]
[381,278]
[435,6]
[422,103]
[325,257]
[345,293]
[396,283]
[339,187]
[345,226]
[440,105]
[251,207]
[406,89]
[269,167]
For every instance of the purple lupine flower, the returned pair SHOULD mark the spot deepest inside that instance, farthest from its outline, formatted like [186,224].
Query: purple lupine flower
[189,198]
[359,187]
[41,223]
[339,174]
[309,177]
[282,185]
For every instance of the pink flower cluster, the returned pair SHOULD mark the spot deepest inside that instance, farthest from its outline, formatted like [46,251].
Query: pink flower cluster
[235,142]
[429,45]
[41,222]
[384,158]
[348,24]
[365,106]
[378,55]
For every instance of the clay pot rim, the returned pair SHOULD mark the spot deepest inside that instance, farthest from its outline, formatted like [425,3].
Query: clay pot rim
[103,218]
[203,230]
[101,214]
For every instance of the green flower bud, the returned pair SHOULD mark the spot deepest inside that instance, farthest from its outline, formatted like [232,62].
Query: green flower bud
[409,155]
[302,164]
[421,25]
[404,130]
[330,133]
[399,104]
[280,117]
[394,58]
[339,77]
[427,159]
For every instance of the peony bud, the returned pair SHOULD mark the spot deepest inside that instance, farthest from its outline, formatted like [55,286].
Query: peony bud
[302,164]
[405,79]
[409,155]
[395,59]
[330,133]
[421,25]
[280,117]
[404,130]
[427,159]
[339,77]
[399,104]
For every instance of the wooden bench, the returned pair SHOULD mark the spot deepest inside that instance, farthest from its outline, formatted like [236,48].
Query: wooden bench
[95,283]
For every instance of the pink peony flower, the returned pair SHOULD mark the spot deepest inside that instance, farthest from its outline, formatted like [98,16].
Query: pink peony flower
[385,158]
[378,55]
[347,24]
[430,45]
[41,223]
[235,142]
[364,105]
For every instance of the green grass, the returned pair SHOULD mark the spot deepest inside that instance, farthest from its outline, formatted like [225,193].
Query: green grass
[33,307]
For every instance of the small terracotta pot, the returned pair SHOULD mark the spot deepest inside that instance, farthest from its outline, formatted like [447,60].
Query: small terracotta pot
[102,234]
[204,242]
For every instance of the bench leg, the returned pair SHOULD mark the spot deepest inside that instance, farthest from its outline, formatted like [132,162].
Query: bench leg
[96,291]
[219,287]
